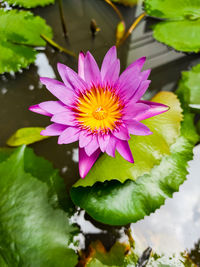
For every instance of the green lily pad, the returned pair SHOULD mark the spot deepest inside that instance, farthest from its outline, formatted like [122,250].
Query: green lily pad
[116,203]
[35,229]
[180,29]
[189,87]
[26,136]
[29,3]
[19,33]
[165,128]
[126,2]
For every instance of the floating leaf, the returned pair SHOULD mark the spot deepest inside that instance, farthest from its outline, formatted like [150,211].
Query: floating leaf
[122,255]
[35,231]
[165,128]
[181,27]
[116,203]
[19,33]
[126,2]
[29,3]
[26,136]
[189,87]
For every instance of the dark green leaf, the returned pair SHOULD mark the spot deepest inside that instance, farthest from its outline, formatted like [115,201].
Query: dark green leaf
[19,34]
[181,27]
[35,231]
[126,2]
[26,136]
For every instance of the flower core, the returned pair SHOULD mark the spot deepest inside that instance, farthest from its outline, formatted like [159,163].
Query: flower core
[99,109]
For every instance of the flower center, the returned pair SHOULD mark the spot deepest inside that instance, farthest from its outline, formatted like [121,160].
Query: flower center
[98,110]
[100,113]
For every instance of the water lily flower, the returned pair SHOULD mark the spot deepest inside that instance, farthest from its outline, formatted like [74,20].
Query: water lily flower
[98,107]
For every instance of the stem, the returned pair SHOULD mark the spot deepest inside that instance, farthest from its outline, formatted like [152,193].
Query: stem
[57,46]
[115,9]
[133,26]
[62,18]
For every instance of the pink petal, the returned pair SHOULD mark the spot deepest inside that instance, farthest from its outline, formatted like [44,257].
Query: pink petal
[70,135]
[134,110]
[124,149]
[91,70]
[58,89]
[72,79]
[103,141]
[84,139]
[121,133]
[37,109]
[140,91]
[108,60]
[53,130]
[137,128]
[53,107]
[154,109]
[65,118]
[81,59]
[145,74]
[112,73]
[86,162]
[110,149]
[92,146]
[137,65]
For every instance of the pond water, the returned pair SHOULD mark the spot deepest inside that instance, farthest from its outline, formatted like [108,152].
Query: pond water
[176,226]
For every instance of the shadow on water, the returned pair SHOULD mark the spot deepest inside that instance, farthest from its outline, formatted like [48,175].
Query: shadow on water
[175,226]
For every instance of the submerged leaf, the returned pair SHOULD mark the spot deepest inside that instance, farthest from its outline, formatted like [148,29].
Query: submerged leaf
[29,3]
[35,231]
[116,203]
[181,27]
[165,128]
[26,136]
[19,33]
[126,2]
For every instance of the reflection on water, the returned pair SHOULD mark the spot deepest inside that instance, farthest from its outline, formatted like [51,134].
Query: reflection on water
[176,225]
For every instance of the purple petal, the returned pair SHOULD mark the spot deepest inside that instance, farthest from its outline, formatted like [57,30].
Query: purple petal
[140,91]
[65,118]
[81,59]
[137,128]
[103,141]
[108,60]
[70,135]
[92,146]
[124,149]
[86,162]
[72,79]
[112,73]
[137,65]
[134,110]
[121,133]
[110,149]
[53,130]
[84,139]
[154,109]
[37,109]
[59,90]
[91,70]
[53,107]
[145,74]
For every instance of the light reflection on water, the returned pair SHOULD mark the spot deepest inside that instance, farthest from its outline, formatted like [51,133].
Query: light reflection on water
[176,225]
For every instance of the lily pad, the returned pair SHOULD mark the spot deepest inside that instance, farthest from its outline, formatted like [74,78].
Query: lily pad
[26,136]
[30,3]
[116,203]
[165,128]
[19,33]
[180,29]
[35,229]
[189,87]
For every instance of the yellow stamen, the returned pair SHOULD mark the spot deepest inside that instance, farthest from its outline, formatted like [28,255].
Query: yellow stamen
[99,110]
